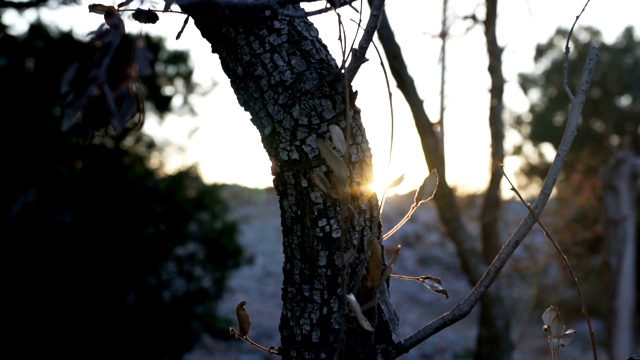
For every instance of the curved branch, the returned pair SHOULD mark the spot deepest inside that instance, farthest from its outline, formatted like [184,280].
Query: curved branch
[463,308]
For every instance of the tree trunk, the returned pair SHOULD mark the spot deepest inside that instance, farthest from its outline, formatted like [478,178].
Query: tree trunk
[620,180]
[493,322]
[285,77]
[494,338]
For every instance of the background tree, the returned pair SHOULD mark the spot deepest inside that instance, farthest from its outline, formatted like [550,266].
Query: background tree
[610,127]
[102,254]
[494,340]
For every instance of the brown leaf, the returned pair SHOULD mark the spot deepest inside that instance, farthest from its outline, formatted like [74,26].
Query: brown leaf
[427,190]
[244,322]
[374,278]
[101,9]
[124,3]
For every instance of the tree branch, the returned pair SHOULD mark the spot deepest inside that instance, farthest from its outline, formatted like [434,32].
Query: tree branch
[358,55]
[463,308]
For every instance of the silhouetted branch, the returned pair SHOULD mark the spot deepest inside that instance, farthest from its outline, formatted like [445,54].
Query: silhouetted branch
[358,55]
[567,50]
[20,5]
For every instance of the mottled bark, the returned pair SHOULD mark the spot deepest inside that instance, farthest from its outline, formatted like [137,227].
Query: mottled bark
[284,76]
[494,341]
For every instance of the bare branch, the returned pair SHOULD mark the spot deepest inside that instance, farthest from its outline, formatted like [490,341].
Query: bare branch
[358,57]
[565,260]
[463,308]
[567,50]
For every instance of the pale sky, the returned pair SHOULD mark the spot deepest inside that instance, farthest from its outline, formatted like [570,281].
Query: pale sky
[227,146]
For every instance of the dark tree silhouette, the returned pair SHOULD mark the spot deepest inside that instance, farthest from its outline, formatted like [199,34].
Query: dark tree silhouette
[102,256]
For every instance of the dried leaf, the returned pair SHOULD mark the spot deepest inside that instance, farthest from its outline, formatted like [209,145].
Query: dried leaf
[124,3]
[557,326]
[184,25]
[435,285]
[337,138]
[392,263]
[567,337]
[553,323]
[334,161]
[145,16]
[355,307]
[427,190]
[374,278]
[396,182]
[322,183]
[548,314]
[102,9]
[244,322]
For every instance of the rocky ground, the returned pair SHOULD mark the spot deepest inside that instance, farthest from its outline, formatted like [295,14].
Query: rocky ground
[530,277]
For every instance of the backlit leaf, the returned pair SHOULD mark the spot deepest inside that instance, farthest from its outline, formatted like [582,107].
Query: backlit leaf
[427,190]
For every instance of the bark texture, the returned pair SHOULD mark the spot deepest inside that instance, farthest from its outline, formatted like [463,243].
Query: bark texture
[284,76]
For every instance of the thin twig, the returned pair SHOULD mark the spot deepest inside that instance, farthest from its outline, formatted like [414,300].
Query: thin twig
[272,350]
[567,50]
[565,260]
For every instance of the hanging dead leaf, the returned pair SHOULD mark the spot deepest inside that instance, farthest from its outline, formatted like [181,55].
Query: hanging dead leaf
[567,337]
[553,323]
[184,25]
[124,3]
[355,307]
[145,16]
[435,285]
[102,9]
[244,322]
[427,190]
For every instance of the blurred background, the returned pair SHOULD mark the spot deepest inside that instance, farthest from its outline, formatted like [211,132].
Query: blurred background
[140,243]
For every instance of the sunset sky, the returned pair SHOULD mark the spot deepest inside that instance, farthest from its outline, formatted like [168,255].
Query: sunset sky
[228,149]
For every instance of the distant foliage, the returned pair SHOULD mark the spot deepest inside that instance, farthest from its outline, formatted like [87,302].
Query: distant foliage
[611,112]
[101,255]
[610,117]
